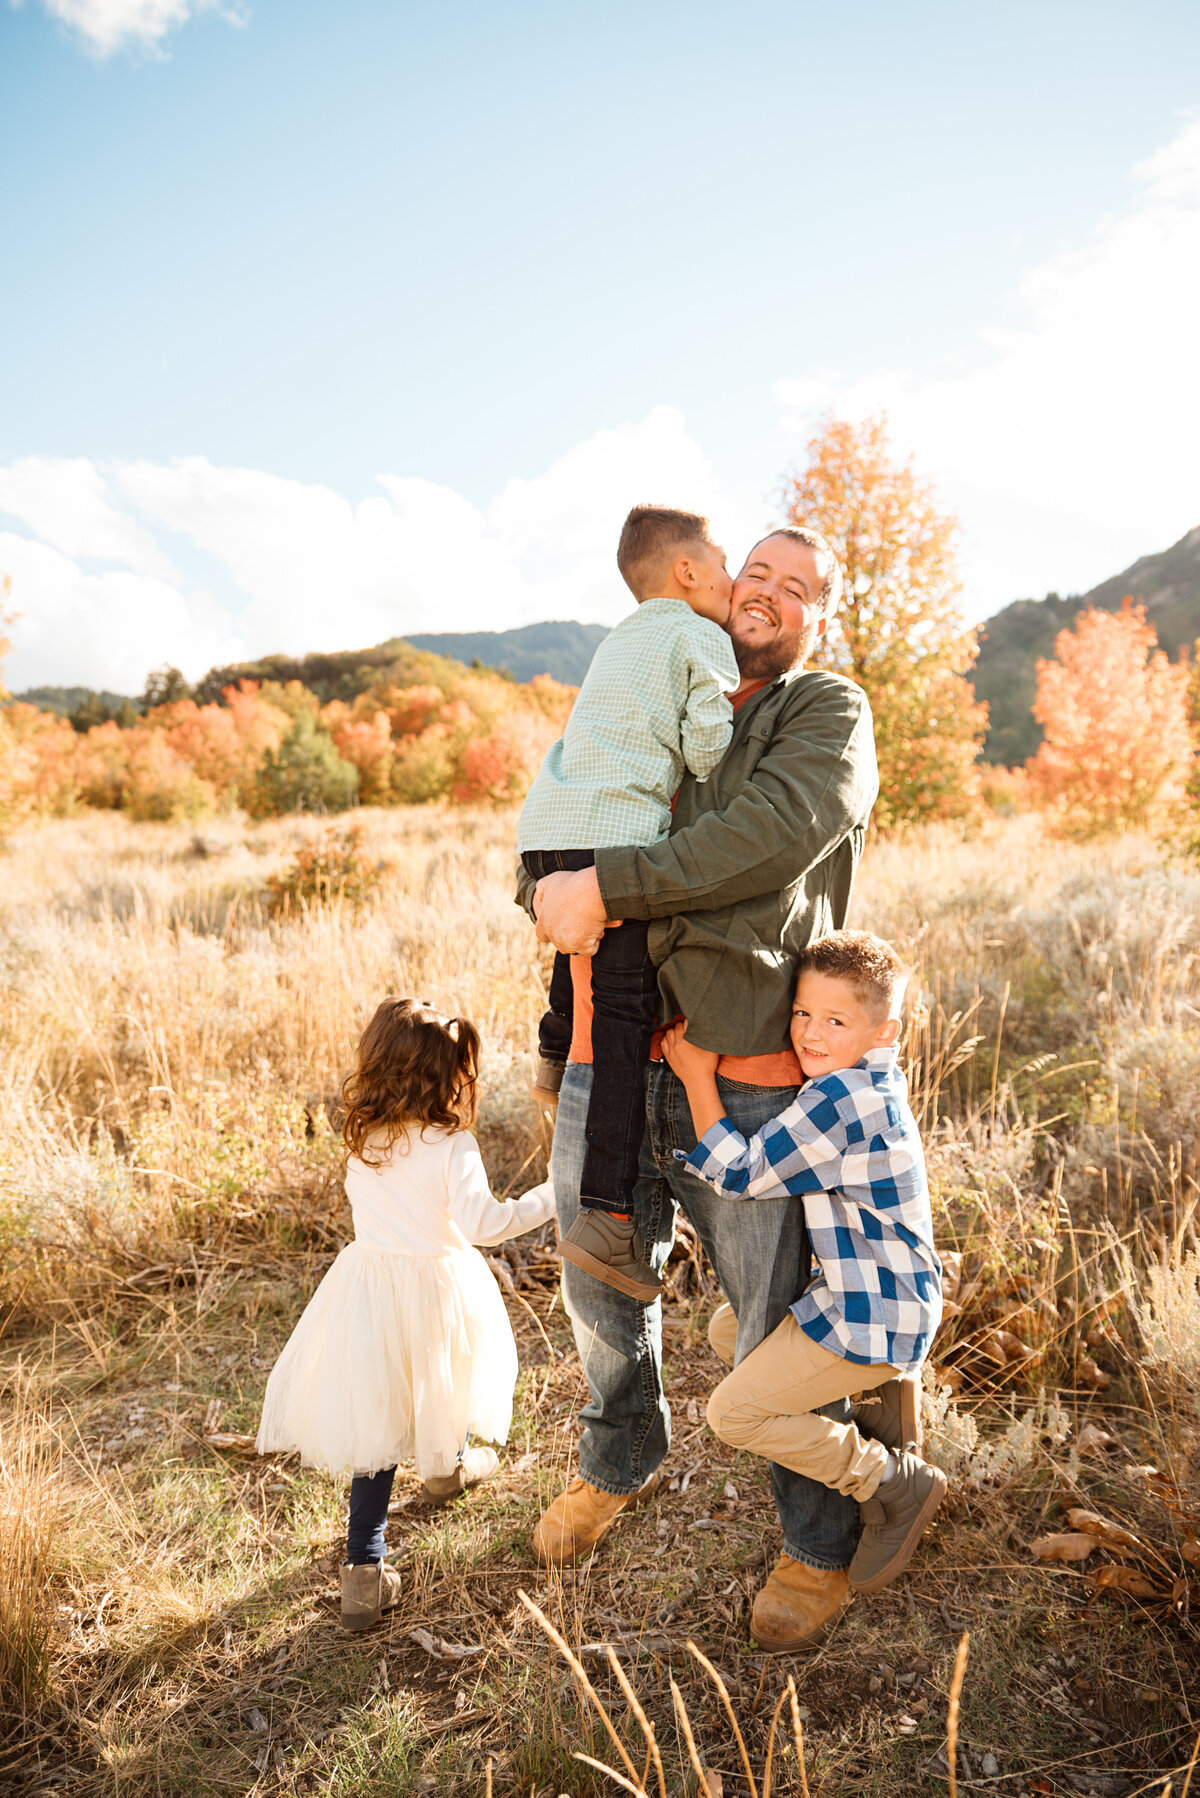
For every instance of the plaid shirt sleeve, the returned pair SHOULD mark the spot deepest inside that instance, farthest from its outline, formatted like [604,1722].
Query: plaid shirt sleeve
[800,1151]
[848,1145]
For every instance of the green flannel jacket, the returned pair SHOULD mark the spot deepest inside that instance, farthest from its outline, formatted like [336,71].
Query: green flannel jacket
[759,862]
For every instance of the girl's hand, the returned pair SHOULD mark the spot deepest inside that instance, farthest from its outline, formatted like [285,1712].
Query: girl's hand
[685,1059]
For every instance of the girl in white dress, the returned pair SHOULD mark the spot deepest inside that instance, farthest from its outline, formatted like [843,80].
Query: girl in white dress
[405,1349]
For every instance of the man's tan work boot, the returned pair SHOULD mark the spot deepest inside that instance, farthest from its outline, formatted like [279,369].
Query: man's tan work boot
[367,1592]
[610,1249]
[476,1464]
[577,1519]
[798,1605]
[891,1413]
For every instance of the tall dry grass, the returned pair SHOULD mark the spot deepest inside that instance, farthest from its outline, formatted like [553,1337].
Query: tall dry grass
[29,1500]
[170,1056]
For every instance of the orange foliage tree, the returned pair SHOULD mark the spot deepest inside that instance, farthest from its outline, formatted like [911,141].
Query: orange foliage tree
[899,631]
[1117,752]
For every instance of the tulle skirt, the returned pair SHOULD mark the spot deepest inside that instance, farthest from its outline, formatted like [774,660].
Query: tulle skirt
[396,1358]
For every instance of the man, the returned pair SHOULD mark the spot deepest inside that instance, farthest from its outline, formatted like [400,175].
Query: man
[759,862]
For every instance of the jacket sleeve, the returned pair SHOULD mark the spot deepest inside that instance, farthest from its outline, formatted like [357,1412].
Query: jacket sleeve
[526,887]
[814,783]
[485,1220]
[707,722]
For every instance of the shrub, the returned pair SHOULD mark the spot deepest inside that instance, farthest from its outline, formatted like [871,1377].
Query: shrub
[37,764]
[334,866]
[305,774]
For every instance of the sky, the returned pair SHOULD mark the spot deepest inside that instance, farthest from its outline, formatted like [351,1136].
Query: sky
[325,323]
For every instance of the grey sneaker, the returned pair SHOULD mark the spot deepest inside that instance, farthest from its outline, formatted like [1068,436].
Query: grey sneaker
[893,1520]
[367,1592]
[476,1464]
[891,1413]
[610,1248]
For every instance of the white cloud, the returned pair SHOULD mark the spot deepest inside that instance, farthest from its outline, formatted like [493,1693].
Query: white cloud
[100,630]
[105,26]
[308,569]
[65,503]
[1069,448]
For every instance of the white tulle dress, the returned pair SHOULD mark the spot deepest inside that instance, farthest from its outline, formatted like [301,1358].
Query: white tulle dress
[405,1348]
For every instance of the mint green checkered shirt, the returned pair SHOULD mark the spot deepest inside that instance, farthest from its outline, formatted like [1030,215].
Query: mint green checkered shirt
[653,703]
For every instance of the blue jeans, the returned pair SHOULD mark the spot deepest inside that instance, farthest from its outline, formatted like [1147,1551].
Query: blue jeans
[761,1255]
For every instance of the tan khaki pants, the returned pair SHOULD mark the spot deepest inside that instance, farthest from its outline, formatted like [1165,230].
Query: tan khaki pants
[767,1403]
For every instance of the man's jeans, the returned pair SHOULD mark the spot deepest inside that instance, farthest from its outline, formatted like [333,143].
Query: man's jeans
[761,1255]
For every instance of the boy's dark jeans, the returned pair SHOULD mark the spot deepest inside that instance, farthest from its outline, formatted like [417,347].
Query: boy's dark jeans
[624,1011]
[366,1537]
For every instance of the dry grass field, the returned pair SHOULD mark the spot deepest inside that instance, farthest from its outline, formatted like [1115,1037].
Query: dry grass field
[171,1048]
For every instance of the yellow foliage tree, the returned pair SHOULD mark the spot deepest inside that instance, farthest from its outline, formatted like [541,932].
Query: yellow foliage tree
[899,631]
[1117,752]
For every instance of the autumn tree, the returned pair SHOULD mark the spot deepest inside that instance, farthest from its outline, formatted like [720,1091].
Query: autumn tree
[899,631]
[1117,752]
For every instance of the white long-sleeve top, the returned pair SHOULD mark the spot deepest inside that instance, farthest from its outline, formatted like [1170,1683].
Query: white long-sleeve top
[432,1195]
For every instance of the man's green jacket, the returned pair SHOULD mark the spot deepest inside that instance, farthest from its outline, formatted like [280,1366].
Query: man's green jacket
[759,862]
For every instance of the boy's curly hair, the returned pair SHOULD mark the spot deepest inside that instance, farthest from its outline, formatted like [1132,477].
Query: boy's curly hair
[414,1066]
[863,961]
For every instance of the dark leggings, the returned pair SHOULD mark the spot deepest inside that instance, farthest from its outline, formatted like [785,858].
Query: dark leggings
[366,1537]
[624,1005]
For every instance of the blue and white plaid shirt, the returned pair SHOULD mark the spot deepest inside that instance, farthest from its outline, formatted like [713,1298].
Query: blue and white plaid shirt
[848,1146]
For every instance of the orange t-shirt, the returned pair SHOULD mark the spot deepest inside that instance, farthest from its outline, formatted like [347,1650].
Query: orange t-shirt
[779,1069]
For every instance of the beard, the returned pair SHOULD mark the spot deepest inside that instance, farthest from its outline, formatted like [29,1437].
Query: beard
[783,651]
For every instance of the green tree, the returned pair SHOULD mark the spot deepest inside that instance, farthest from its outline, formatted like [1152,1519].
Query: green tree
[899,631]
[305,774]
[163,686]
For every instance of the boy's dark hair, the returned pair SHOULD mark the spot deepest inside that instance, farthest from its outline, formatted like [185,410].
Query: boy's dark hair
[413,1067]
[652,538]
[863,961]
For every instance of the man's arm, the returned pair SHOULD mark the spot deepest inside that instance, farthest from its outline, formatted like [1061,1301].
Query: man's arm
[815,781]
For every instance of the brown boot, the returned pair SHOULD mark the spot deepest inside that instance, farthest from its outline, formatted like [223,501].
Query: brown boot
[367,1592]
[798,1605]
[610,1249]
[547,1081]
[578,1518]
[476,1464]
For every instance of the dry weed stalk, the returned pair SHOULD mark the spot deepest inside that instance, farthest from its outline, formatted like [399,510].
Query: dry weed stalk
[956,1685]
[629,1780]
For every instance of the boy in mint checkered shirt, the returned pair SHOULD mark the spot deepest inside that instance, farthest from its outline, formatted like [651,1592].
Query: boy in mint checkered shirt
[653,704]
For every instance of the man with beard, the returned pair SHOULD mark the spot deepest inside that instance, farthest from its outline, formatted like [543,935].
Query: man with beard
[759,863]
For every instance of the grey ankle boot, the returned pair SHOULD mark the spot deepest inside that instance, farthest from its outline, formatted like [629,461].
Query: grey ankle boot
[893,1520]
[611,1249]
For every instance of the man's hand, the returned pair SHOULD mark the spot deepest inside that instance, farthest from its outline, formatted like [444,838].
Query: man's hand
[570,912]
[685,1059]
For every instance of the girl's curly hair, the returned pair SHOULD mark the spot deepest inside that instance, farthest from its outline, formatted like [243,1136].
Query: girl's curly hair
[414,1067]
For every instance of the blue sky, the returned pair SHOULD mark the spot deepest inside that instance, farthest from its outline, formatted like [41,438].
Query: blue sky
[323,322]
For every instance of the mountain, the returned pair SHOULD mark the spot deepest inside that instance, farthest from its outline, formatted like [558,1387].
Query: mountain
[558,648]
[1168,584]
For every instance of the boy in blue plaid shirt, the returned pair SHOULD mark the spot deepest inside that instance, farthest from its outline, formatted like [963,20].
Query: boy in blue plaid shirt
[653,704]
[848,1146]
